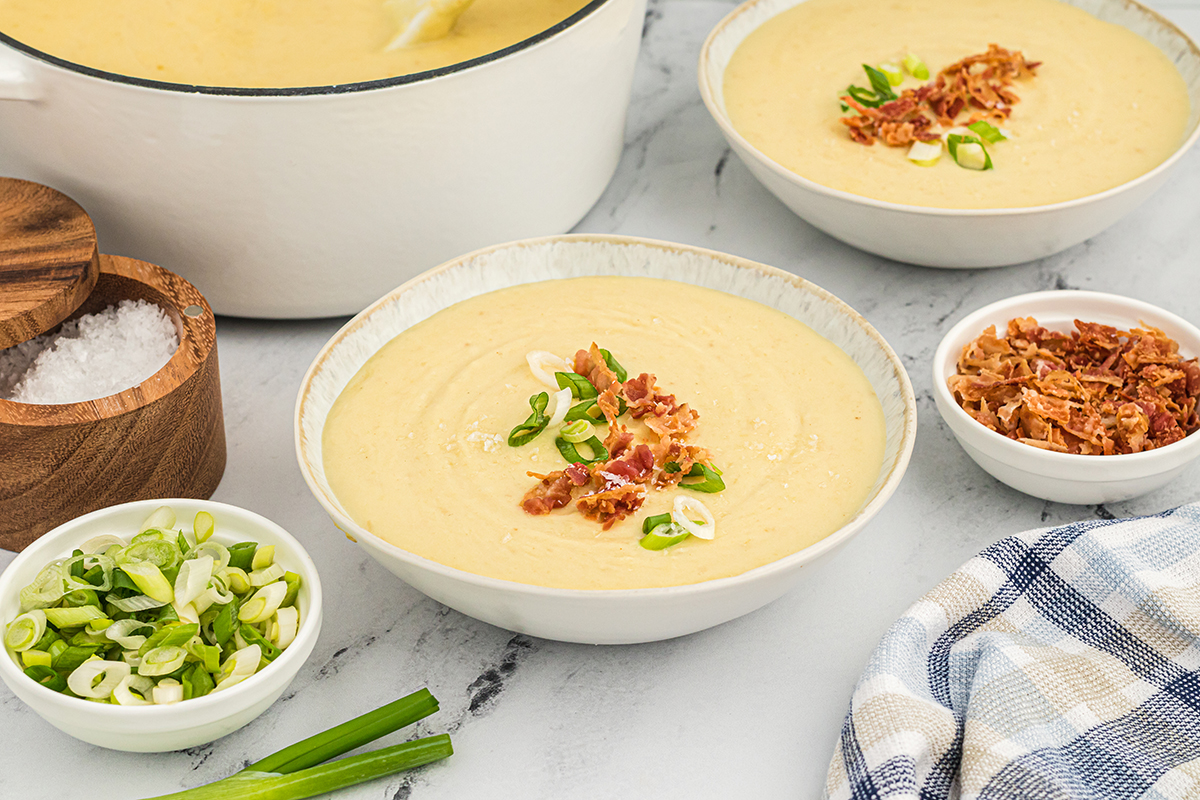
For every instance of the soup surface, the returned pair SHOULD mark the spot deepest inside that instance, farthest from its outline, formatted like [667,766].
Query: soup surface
[263,43]
[1105,106]
[415,448]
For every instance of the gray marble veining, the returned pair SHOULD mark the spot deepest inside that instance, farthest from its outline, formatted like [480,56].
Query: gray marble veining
[748,709]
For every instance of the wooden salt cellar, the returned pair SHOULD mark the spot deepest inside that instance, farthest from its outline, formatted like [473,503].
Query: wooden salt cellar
[164,437]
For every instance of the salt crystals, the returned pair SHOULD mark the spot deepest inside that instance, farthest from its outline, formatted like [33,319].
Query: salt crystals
[94,356]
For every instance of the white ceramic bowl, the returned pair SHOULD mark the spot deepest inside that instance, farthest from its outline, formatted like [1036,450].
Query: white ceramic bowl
[314,201]
[601,616]
[1063,477]
[943,237]
[155,729]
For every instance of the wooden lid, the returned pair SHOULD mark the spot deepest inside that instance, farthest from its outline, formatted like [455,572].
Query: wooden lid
[48,259]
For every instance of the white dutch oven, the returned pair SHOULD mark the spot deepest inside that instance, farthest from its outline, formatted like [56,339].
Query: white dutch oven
[314,201]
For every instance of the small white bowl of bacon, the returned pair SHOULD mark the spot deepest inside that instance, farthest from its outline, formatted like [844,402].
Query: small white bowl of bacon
[1072,396]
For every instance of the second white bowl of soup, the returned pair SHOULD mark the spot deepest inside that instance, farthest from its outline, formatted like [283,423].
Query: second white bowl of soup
[404,420]
[290,167]
[1112,103]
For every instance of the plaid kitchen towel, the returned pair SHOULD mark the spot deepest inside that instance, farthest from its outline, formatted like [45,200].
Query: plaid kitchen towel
[1059,663]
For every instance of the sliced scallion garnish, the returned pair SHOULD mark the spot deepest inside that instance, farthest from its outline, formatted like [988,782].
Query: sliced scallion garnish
[968,152]
[694,517]
[571,453]
[578,431]
[530,428]
[987,131]
[915,67]
[617,369]
[892,73]
[711,479]
[879,83]
[579,385]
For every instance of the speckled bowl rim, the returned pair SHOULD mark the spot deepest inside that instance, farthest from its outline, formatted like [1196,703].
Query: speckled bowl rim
[894,473]
[1006,449]
[717,112]
[310,626]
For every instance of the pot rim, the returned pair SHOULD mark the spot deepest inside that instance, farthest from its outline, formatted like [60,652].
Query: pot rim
[301,91]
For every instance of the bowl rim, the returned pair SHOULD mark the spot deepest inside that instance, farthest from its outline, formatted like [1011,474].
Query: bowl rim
[303,91]
[718,114]
[1006,448]
[895,472]
[309,626]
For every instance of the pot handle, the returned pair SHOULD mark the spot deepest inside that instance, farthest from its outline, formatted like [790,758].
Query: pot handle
[16,84]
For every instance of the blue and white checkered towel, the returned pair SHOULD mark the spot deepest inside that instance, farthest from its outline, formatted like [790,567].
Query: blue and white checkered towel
[1060,663]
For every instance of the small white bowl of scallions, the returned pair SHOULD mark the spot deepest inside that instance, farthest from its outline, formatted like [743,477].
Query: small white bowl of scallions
[157,625]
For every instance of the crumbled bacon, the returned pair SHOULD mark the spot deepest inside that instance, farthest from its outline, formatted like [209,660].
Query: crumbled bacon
[980,84]
[1097,391]
[610,491]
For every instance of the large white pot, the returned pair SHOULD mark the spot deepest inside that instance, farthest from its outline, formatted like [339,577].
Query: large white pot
[947,237]
[315,201]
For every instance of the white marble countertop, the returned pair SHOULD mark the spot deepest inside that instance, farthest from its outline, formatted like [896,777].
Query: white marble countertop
[748,709]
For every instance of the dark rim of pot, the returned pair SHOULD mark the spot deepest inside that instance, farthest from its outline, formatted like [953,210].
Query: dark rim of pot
[298,91]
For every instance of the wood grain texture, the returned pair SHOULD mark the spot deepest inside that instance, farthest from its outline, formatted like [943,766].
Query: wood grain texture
[164,437]
[48,259]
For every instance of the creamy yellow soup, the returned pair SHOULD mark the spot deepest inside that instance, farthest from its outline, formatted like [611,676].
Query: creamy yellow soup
[263,43]
[415,447]
[1105,106]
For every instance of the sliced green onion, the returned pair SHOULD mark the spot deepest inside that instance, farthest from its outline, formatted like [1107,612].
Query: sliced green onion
[968,152]
[25,631]
[72,617]
[139,602]
[237,580]
[162,661]
[47,677]
[543,365]
[36,658]
[81,563]
[562,404]
[73,656]
[150,580]
[863,96]
[652,522]
[168,691]
[152,535]
[711,482]
[241,555]
[197,682]
[579,385]
[226,622]
[284,625]
[261,577]
[293,583]
[879,83]
[134,690]
[264,557]
[663,536]
[97,679]
[586,410]
[530,428]
[263,604]
[193,579]
[218,552]
[916,67]
[892,72]
[239,666]
[101,543]
[990,133]
[169,636]
[161,517]
[616,368]
[123,632]
[44,590]
[684,513]
[251,635]
[203,526]
[161,554]
[578,431]
[925,154]
[186,612]
[571,453]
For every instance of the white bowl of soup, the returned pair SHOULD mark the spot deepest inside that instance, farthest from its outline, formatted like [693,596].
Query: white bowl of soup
[1114,104]
[403,433]
[302,170]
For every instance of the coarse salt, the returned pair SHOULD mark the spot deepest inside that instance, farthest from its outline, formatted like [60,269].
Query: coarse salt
[94,356]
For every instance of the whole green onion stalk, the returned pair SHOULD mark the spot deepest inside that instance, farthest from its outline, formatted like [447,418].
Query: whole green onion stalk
[299,771]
